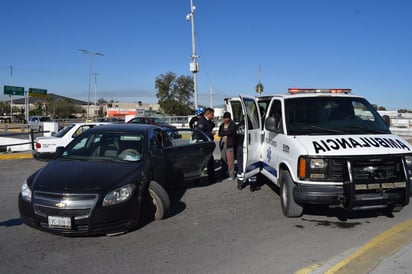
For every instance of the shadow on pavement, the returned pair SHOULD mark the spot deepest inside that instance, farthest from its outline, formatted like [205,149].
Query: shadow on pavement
[11,222]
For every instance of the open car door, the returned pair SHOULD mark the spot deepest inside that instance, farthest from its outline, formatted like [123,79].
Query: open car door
[246,109]
[188,151]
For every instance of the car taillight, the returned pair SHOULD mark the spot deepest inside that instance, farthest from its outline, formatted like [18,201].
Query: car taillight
[38,145]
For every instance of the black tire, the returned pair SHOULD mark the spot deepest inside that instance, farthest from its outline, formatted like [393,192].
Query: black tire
[289,207]
[160,200]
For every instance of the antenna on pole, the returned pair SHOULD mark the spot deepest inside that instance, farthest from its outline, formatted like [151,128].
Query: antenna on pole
[259,86]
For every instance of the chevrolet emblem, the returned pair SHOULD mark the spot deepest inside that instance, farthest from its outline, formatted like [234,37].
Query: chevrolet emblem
[61,205]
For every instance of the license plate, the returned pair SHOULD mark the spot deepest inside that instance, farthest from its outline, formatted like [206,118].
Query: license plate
[59,222]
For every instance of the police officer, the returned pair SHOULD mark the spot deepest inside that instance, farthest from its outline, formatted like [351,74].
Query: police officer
[207,125]
[199,113]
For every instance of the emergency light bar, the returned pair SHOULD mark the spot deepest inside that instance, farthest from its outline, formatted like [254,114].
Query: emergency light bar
[314,90]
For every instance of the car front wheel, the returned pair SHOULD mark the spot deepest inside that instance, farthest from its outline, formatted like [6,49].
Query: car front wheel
[160,199]
[289,206]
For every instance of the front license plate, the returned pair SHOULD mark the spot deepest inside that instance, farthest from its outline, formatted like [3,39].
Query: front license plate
[59,222]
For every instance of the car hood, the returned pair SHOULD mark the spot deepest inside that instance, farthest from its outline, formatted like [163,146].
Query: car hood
[81,176]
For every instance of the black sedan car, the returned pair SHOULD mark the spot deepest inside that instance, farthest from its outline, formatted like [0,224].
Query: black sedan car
[107,177]
[151,121]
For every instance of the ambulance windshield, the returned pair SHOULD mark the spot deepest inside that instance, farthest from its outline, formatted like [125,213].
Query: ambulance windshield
[332,116]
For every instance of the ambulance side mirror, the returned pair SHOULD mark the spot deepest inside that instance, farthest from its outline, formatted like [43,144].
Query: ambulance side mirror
[271,124]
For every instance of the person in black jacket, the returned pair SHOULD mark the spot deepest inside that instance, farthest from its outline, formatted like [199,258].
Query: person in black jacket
[227,133]
[199,113]
[207,125]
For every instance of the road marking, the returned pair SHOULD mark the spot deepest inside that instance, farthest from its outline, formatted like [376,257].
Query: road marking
[369,255]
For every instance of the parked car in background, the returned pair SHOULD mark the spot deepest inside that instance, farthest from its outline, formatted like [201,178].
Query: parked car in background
[150,121]
[111,175]
[36,122]
[45,147]
[114,120]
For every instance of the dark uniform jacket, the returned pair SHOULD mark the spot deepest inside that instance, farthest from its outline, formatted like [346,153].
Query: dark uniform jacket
[206,126]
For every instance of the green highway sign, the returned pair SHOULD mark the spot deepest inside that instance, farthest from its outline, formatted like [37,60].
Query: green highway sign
[37,92]
[12,90]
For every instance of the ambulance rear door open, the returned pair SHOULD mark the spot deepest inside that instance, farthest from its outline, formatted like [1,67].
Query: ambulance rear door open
[244,108]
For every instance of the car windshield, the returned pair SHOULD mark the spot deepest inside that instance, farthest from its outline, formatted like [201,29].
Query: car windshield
[63,131]
[332,115]
[159,121]
[107,146]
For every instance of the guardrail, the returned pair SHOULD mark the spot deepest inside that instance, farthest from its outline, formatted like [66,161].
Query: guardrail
[11,135]
[30,134]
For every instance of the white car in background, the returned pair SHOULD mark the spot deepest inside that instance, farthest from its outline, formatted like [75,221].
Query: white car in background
[37,122]
[45,147]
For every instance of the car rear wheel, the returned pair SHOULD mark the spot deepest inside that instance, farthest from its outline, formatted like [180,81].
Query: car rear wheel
[160,199]
[289,207]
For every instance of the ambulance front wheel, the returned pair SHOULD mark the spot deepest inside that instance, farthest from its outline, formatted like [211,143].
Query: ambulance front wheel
[289,207]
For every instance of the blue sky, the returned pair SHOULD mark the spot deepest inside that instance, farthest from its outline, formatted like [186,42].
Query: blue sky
[365,45]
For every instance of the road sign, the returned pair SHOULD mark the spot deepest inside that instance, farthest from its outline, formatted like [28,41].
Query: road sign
[12,90]
[37,92]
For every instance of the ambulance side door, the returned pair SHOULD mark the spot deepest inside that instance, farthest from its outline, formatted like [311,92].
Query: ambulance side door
[246,109]
[273,140]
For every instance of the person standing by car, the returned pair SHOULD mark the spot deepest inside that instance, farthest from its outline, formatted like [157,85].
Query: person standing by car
[195,119]
[207,125]
[227,131]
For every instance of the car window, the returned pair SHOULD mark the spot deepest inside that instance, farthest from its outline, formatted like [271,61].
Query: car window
[107,146]
[252,113]
[275,113]
[63,131]
[81,129]
[183,137]
[332,115]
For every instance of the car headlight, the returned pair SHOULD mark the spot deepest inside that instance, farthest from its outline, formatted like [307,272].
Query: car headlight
[26,192]
[119,195]
[408,161]
[312,168]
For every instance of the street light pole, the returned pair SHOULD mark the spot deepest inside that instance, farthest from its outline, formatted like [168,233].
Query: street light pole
[194,66]
[95,94]
[84,51]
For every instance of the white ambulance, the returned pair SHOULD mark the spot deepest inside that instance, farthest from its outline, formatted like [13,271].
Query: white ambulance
[324,147]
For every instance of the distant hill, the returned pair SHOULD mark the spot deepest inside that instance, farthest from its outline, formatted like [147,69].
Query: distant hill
[33,100]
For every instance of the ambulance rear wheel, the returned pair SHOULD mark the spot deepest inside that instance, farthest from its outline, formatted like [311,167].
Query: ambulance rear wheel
[289,207]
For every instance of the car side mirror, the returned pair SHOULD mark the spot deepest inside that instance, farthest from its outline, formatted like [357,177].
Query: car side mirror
[59,152]
[270,123]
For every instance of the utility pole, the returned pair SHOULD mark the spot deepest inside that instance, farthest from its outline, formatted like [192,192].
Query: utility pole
[11,96]
[95,95]
[85,51]
[259,86]
[211,96]
[194,66]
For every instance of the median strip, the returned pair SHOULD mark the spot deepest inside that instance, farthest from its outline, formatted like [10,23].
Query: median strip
[9,156]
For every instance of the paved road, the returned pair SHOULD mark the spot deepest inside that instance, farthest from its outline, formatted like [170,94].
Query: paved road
[212,229]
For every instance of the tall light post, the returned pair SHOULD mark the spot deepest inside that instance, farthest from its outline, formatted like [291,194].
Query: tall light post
[91,53]
[194,66]
[95,94]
